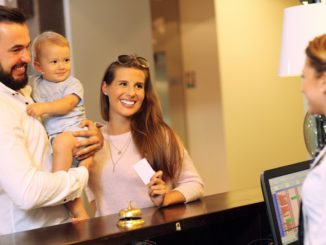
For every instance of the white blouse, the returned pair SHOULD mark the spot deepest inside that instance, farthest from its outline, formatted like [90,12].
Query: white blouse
[314,202]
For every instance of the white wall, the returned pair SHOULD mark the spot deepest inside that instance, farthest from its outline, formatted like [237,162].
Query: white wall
[99,31]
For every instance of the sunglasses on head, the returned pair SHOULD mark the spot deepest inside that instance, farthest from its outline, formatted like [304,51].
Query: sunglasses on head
[128,59]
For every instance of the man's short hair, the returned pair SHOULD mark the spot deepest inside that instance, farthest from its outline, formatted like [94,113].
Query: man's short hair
[8,14]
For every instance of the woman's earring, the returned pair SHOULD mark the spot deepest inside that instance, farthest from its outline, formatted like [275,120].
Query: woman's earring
[105,93]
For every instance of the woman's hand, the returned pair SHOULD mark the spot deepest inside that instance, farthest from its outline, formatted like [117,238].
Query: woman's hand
[157,188]
[161,194]
[93,140]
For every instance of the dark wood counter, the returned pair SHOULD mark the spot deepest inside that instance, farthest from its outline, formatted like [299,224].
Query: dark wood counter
[236,217]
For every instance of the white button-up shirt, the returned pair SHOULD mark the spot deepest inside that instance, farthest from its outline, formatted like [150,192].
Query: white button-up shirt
[30,195]
[314,202]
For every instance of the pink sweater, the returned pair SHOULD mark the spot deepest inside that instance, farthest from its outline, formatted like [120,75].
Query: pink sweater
[114,187]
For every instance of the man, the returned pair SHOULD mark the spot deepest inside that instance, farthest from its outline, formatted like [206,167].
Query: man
[30,195]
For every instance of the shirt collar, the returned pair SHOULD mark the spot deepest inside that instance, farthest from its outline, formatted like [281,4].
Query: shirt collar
[7,90]
[318,158]
[23,95]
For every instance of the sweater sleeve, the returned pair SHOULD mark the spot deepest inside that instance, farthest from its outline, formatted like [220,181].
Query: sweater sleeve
[189,182]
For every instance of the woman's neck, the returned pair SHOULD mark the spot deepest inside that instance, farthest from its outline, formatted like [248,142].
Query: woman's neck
[116,127]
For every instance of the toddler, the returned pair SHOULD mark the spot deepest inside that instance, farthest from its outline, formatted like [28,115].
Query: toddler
[59,102]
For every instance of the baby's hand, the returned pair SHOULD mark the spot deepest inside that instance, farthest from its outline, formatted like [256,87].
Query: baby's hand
[35,110]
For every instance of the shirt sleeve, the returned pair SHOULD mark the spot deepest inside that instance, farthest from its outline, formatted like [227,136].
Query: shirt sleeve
[189,182]
[23,180]
[75,87]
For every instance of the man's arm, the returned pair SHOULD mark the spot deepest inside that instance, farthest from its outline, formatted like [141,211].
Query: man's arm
[22,175]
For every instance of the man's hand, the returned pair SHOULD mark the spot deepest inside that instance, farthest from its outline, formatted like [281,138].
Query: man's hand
[93,140]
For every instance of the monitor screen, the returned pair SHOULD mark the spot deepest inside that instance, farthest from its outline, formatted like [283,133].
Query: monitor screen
[282,193]
[286,192]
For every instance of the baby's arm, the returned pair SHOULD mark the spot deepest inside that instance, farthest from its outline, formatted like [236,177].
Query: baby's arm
[56,107]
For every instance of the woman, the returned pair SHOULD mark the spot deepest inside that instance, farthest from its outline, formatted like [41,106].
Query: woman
[135,130]
[314,186]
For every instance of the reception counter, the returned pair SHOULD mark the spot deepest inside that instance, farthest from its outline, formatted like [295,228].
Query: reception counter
[236,217]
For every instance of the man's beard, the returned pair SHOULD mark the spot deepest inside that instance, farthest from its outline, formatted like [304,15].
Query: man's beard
[8,80]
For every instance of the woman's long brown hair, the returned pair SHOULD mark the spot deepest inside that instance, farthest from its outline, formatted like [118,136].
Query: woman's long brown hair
[154,139]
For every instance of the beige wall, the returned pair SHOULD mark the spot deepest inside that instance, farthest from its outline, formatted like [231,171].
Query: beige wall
[203,102]
[101,30]
[241,117]
[166,39]
[263,113]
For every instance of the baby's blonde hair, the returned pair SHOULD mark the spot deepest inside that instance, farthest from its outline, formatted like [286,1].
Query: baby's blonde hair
[47,37]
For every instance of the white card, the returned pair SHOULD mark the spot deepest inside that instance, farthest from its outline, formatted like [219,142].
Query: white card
[144,170]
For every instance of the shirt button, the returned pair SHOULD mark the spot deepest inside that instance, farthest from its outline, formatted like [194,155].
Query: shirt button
[65,200]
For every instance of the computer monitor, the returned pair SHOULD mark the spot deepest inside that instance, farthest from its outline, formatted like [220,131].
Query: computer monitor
[281,189]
